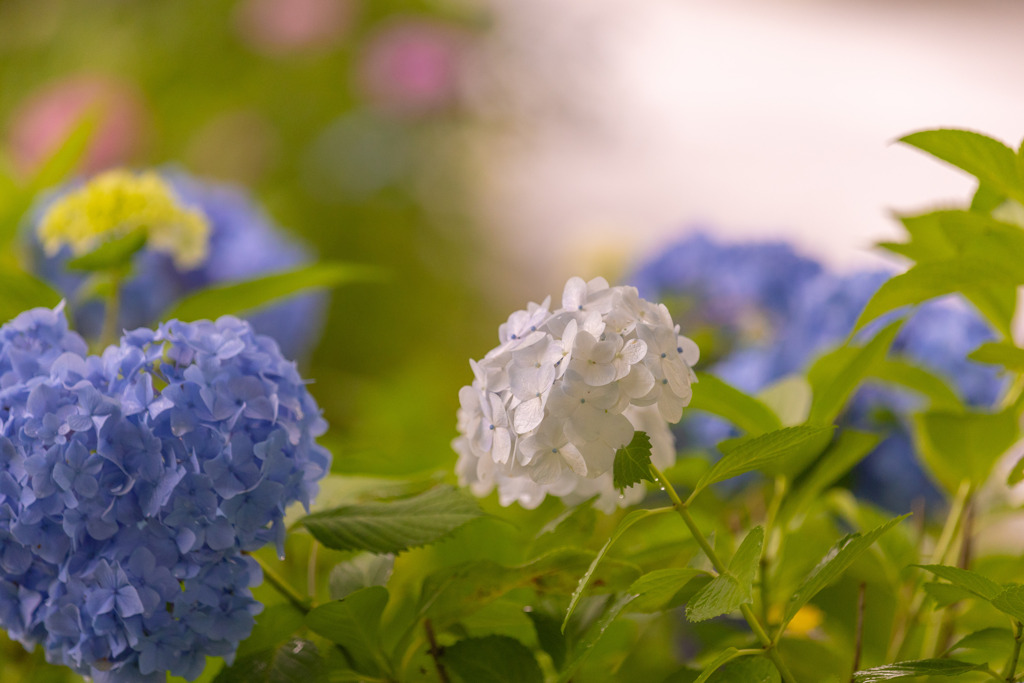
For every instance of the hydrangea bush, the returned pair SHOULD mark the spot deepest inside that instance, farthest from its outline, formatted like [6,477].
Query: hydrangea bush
[153,478]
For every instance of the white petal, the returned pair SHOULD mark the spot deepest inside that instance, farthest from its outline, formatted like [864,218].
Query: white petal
[690,351]
[574,459]
[546,468]
[633,351]
[528,415]
[502,446]
[575,294]
[678,375]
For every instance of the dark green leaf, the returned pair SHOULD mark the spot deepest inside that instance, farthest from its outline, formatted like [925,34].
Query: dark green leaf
[246,295]
[747,670]
[492,659]
[1000,353]
[623,526]
[112,254]
[836,561]
[836,375]
[963,445]
[773,448]
[275,625]
[990,161]
[593,634]
[354,623]
[633,462]
[973,582]
[728,591]
[393,526]
[714,396]
[359,572]
[664,589]
[921,667]
[988,644]
[549,636]
[20,291]
[297,661]
[1011,601]
[573,528]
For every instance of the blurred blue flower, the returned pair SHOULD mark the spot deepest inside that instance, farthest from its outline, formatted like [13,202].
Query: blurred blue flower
[244,243]
[800,311]
[124,527]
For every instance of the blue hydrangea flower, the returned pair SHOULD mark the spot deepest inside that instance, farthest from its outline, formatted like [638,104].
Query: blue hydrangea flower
[803,311]
[133,484]
[244,243]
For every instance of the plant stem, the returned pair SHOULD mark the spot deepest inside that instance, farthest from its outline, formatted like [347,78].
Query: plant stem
[1010,672]
[111,312]
[283,587]
[859,631]
[435,652]
[682,508]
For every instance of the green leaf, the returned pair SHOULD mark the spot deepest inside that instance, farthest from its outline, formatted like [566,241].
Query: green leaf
[1011,601]
[275,625]
[633,462]
[836,561]
[836,375]
[549,636]
[920,667]
[986,645]
[354,624]
[847,450]
[728,591]
[747,670]
[789,398]
[714,396]
[664,589]
[297,661]
[246,295]
[20,291]
[970,581]
[593,635]
[623,526]
[932,279]
[928,384]
[359,572]
[1016,475]
[1006,354]
[393,526]
[990,161]
[451,593]
[112,254]
[963,445]
[945,594]
[986,199]
[726,655]
[492,659]
[773,448]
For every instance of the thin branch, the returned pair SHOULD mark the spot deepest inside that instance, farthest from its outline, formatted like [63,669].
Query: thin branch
[858,643]
[435,652]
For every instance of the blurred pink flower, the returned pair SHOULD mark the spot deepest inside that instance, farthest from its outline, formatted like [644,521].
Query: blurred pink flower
[45,119]
[411,66]
[280,27]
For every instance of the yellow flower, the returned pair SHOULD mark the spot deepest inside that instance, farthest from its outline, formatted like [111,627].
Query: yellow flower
[115,203]
[806,619]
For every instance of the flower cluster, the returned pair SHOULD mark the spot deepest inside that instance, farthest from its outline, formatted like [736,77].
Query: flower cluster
[565,389]
[803,311]
[133,483]
[243,243]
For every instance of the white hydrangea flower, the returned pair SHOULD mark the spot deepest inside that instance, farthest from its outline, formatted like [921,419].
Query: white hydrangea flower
[564,389]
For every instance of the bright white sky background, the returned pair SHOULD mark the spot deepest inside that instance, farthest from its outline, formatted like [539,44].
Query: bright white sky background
[609,126]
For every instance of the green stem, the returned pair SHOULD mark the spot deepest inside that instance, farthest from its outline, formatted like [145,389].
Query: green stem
[682,508]
[283,587]
[1010,672]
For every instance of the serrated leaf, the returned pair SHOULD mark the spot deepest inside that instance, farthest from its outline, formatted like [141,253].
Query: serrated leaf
[359,572]
[492,659]
[354,624]
[726,655]
[849,448]
[747,670]
[593,635]
[773,448]
[661,589]
[973,582]
[246,295]
[836,375]
[20,291]
[633,462]
[990,161]
[297,661]
[932,279]
[116,253]
[1007,354]
[910,669]
[746,412]
[728,591]
[622,527]
[1011,601]
[393,526]
[963,445]
[836,561]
